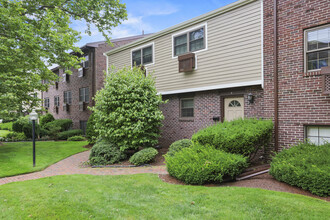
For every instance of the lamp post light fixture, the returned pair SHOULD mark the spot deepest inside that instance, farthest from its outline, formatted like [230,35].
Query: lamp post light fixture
[250,98]
[33,117]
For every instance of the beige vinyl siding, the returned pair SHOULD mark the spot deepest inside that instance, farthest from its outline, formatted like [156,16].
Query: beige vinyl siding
[233,54]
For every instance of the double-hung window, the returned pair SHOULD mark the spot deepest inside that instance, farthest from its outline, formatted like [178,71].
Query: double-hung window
[187,108]
[67,97]
[84,94]
[317,48]
[57,101]
[85,63]
[46,103]
[142,56]
[189,42]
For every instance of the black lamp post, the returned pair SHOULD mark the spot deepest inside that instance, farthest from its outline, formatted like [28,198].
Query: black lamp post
[33,117]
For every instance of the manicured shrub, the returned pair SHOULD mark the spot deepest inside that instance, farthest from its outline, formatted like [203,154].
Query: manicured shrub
[127,109]
[204,164]
[76,138]
[91,133]
[242,136]
[53,132]
[64,135]
[46,119]
[6,126]
[27,130]
[178,145]
[143,156]
[16,136]
[19,124]
[105,153]
[306,166]
[64,124]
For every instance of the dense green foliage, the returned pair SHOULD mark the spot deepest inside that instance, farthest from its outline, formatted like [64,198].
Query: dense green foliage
[127,109]
[76,138]
[6,126]
[144,156]
[64,135]
[35,35]
[19,124]
[204,164]
[178,145]
[91,133]
[3,134]
[241,136]
[306,166]
[64,124]
[27,130]
[15,136]
[46,118]
[145,196]
[105,153]
[16,158]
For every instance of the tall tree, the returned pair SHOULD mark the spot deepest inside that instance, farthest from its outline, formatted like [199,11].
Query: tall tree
[35,34]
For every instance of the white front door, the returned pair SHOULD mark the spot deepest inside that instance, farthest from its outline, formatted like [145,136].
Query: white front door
[234,108]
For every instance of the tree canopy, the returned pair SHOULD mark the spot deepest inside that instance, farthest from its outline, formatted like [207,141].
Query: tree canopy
[36,34]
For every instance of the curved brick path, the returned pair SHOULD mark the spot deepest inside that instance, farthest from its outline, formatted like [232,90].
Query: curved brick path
[72,165]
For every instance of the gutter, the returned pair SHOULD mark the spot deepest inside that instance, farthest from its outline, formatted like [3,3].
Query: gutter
[275,77]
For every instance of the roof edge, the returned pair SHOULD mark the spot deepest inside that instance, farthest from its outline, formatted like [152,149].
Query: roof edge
[184,24]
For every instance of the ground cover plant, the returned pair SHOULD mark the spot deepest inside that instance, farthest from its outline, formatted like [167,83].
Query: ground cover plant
[305,165]
[143,156]
[204,164]
[241,136]
[105,153]
[16,158]
[127,109]
[145,196]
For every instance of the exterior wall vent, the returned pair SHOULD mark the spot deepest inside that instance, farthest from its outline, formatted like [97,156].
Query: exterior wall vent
[325,71]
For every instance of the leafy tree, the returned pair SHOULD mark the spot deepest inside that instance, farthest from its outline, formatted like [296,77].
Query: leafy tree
[36,34]
[127,109]
[91,134]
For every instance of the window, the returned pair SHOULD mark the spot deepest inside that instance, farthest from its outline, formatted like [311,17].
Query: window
[189,42]
[317,48]
[46,102]
[318,134]
[85,64]
[83,95]
[187,108]
[142,56]
[83,126]
[56,101]
[234,103]
[67,97]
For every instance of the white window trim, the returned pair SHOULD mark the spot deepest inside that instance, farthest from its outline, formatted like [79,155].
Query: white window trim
[305,46]
[189,30]
[141,47]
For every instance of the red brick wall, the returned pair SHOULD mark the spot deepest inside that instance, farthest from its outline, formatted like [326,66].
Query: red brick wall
[207,105]
[300,99]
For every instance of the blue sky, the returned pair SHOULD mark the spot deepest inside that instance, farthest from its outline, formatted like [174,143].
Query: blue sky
[152,16]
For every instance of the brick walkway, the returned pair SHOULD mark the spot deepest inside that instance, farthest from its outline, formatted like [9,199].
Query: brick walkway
[72,165]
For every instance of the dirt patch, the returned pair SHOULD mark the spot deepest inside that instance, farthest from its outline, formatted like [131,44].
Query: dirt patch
[88,146]
[264,181]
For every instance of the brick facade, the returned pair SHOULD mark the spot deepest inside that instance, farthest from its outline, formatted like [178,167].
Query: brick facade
[93,80]
[207,105]
[301,101]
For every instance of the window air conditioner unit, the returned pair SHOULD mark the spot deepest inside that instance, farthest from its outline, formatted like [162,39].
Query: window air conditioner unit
[186,62]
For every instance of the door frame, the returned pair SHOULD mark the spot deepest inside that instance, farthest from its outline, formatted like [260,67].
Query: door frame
[222,103]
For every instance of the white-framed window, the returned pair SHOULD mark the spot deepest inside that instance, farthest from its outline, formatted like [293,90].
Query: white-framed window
[318,134]
[317,48]
[46,102]
[56,101]
[85,64]
[191,40]
[67,97]
[84,94]
[143,55]
[186,107]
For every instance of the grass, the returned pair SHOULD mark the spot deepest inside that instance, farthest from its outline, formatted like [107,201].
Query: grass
[16,157]
[3,133]
[145,196]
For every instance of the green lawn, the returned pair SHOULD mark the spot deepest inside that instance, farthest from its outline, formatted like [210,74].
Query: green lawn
[145,196]
[3,133]
[16,157]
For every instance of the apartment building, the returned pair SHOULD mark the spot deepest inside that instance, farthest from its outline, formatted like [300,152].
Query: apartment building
[71,95]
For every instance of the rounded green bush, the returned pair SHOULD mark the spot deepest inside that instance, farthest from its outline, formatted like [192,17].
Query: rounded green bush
[64,124]
[204,164]
[305,165]
[46,119]
[178,145]
[143,156]
[27,129]
[16,136]
[105,153]
[91,133]
[241,136]
[76,138]
[64,135]
[19,124]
